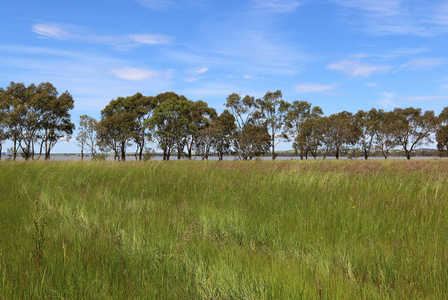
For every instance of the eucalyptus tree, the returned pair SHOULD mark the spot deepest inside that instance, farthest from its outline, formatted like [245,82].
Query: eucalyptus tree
[412,128]
[36,114]
[54,116]
[246,114]
[311,136]
[87,135]
[369,126]
[342,133]
[200,116]
[385,137]
[169,122]
[299,112]
[3,133]
[442,132]
[273,110]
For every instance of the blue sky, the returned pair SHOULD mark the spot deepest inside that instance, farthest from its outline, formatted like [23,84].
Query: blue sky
[338,54]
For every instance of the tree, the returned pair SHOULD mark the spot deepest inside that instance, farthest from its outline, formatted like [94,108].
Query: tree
[116,129]
[342,132]
[170,121]
[3,134]
[412,129]
[217,135]
[87,137]
[385,137]
[273,110]
[369,125]
[297,115]
[244,111]
[311,136]
[55,118]
[200,115]
[257,140]
[36,115]
[442,132]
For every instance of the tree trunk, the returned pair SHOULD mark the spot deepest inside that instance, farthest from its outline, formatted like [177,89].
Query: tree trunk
[82,153]
[14,155]
[123,151]
[366,156]
[337,153]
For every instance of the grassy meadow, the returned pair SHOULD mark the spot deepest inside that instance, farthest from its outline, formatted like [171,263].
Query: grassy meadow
[224,230]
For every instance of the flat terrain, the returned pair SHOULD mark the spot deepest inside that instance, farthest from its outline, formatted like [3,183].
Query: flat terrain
[224,230]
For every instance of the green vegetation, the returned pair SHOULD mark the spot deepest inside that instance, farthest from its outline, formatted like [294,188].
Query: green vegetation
[224,230]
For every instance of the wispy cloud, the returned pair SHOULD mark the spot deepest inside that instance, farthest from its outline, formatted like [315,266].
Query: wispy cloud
[422,63]
[424,98]
[276,6]
[51,31]
[119,42]
[150,39]
[199,70]
[387,100]
[355,69]
[133,73]
[315,87]
[397,17]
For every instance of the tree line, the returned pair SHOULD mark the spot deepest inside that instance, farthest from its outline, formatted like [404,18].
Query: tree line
[36,117]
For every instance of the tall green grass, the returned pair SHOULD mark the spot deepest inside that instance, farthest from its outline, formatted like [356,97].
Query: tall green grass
[224,230]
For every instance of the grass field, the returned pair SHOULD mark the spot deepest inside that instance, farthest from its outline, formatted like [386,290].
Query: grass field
[224,230]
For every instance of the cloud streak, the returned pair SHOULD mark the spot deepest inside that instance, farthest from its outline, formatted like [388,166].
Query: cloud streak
[119,42]
[355,69]
[305,88]
[396,17]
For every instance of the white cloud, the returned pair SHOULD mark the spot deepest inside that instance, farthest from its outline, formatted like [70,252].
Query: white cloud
[133,73]
[246,76]
[425,98]
[422,63]
[445,86]
[199,70]
[398,17]
[150,39]
[387,100]
[355,69]
[277,6]
[315,87]
[119,42]
[51,31]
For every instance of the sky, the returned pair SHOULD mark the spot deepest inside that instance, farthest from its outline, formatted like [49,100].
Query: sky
[337,54]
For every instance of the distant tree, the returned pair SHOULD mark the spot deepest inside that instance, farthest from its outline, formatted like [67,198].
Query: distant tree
[273,110]
[369,125]
[311,136]
[3,133]
[200,115]
[257,140]
[117,128]
[36,115]
[245,112]
[55,118]
[442,132]
[412,129]
[342,132]
[87,138]
[170,121]
[385,137]
[298,114]
[225,127]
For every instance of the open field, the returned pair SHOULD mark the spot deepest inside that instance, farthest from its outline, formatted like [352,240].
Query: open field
[224,230]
